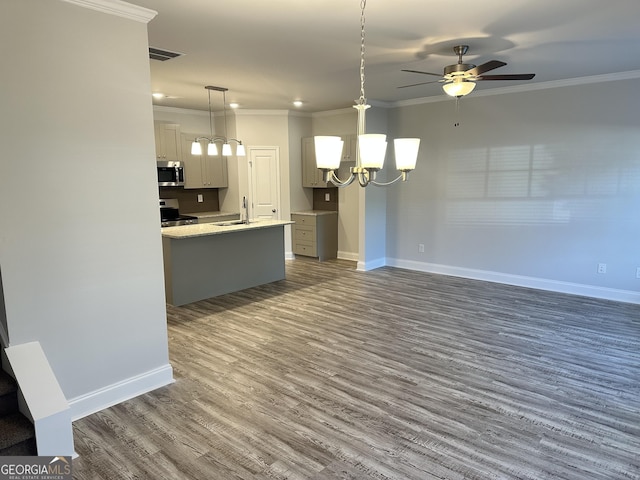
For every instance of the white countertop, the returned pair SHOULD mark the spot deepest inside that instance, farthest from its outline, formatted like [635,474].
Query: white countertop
[316,212]
[204,229]
[215,213]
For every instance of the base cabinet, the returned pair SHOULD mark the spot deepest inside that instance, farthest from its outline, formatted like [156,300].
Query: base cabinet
[315,234]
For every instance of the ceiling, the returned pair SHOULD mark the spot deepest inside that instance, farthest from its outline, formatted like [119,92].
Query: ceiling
[269,53]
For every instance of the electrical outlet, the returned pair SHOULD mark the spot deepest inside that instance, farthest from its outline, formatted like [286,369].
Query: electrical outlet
[200,198]
[421,247]
[327,197]
[602,268]
[638,272]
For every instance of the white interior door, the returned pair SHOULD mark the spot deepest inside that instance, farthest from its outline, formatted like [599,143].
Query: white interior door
[264,182]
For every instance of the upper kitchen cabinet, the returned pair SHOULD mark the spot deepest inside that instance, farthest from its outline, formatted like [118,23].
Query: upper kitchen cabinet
[168,145]
[203,171]
[349,148]
[311,175]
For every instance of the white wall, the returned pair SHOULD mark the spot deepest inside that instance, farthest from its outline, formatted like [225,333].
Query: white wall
[190,121]
[80,248]
[532,188]
[267,128]
[299,127]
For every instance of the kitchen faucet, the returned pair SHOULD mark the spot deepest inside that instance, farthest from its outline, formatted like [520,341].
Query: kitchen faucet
[246,210]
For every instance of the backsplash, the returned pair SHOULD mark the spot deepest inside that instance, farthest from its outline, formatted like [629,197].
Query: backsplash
[320,201]
[188,198]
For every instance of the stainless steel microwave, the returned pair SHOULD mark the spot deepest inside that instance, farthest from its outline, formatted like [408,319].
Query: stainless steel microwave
[170,174]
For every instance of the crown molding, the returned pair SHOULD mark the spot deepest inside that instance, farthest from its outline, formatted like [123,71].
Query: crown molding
[118,8]
[530,87]
[181,111]
[330,113]
[239,112]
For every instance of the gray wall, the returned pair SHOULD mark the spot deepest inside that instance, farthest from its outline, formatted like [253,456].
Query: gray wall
[533,187]
[80,246]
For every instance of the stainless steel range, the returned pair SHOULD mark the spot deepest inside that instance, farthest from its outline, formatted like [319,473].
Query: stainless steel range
[170,214]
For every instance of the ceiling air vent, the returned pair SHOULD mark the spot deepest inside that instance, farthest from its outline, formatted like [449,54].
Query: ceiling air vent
[162,55]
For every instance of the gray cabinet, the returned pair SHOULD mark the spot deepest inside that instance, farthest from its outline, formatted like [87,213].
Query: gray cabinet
[349,148]
[315,234]
[203,171]
[168,143]
[311,175]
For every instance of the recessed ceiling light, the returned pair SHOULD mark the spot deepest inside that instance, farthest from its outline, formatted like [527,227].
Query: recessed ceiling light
[158,95]
[297,103]
[233,105]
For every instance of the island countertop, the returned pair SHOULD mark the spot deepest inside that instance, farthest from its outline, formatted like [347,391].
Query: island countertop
[204,229]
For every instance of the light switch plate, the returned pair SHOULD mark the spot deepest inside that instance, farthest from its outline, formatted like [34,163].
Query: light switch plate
[200,198]
[327,197]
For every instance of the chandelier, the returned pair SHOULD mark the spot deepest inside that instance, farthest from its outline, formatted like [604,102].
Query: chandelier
[371,148]
[212,148]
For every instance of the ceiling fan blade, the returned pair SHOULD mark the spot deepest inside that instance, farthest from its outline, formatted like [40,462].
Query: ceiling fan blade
[424,73]
[485,67]
[416,84]
[513,76]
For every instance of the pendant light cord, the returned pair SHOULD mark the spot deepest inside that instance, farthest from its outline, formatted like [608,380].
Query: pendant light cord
[362,100]
[210,120]
[224,111]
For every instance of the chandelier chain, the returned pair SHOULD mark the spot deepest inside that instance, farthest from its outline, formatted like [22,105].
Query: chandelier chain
[362,100]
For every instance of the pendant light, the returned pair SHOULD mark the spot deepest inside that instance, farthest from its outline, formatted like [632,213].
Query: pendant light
[212,148]
[371,149]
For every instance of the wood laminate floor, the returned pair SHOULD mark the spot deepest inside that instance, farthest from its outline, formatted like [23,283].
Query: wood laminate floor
[388,374]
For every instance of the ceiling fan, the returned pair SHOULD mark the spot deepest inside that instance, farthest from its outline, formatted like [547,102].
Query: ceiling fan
[460,78]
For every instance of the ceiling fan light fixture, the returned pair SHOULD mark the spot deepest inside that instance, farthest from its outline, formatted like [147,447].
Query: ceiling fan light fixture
[459,87]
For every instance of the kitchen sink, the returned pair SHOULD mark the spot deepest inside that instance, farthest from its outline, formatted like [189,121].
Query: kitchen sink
[232,222]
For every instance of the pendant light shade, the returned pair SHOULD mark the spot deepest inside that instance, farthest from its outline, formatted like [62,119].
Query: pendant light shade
[212,149]
[406,152]
[226,149]
[196,148]
[328,152]
[373,148]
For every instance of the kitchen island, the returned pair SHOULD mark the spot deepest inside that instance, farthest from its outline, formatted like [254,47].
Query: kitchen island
[206,260]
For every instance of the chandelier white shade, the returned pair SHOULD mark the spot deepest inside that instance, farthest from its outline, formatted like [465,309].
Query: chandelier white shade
[212,148]
[406,150]
[328,152]
[371,147]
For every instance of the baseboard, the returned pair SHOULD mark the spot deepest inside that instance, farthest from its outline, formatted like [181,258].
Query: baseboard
[371,264]
[626,296]
[351,256]
[111,395]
